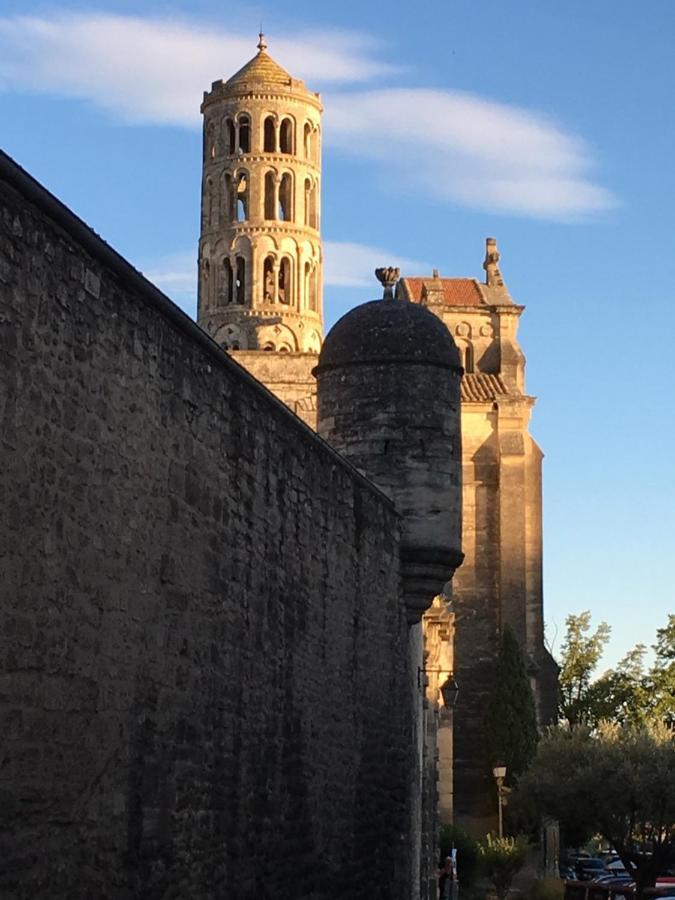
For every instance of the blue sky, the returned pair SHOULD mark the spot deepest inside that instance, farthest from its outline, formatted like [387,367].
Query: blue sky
[548,125]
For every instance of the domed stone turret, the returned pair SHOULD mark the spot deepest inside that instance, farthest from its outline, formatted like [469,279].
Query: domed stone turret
[388,399]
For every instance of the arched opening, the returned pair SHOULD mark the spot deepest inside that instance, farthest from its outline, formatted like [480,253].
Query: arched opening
[468,359]
[235,345]
[307,285]
[268,279]
[307,140]
[244,124]
[240,281]
[286,136]
[312,218]
[286,197]
[242,197]
[269,135]
[207,202]
[308,201]
[229,136]
[284,281]
[284,348]
[206,271]
[228,281]
[313,283]
[270,191]
[269,347]
[227,197]
[316,147]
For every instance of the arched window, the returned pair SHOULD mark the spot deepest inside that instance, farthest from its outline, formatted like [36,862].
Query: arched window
[228,198]
[205,286]
[307,285]
[270,135]
[240,280]
[286,197]
[228,281]
[270,192]
[207,202]
[269,347]
[284,282]
[311,216]
[308,140]
[244,124]
[313,282]
[468,358]
[316,146]
[229,136]
[308,201]
[242,197]
[286,136]
[268,279]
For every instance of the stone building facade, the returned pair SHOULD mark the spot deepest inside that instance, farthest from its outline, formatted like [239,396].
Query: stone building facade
[501,578]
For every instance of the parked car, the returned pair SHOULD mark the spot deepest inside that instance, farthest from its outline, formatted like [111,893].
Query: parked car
[567,873]
[589,868]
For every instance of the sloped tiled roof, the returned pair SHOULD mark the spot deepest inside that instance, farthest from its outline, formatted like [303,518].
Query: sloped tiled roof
[456,291]
[261,68]
[478,387]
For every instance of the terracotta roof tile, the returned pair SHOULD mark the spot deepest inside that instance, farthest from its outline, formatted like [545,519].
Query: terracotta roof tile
[456,291]
[477,387]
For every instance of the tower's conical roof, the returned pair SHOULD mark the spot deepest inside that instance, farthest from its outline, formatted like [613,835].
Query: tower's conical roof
[261,68]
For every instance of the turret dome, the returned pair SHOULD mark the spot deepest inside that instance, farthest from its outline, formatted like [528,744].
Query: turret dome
[389,330]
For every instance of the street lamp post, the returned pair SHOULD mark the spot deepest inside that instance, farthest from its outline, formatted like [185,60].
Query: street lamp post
[500,774]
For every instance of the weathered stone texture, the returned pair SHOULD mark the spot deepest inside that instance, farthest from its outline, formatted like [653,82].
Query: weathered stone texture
[203,681]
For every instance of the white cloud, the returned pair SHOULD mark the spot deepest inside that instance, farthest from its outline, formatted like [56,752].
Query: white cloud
[154,70]
[176,276]
[457,147]
[451,147]
[353,265]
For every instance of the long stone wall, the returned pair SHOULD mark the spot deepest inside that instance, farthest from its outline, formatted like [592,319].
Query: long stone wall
[203,686]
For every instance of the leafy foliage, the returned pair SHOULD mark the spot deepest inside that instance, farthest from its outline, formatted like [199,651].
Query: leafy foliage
[581,653]
[501,859]
[626,695]
[511,718]
[616,781]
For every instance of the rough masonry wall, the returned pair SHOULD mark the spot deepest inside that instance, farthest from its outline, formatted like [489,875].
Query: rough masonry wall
[203,686]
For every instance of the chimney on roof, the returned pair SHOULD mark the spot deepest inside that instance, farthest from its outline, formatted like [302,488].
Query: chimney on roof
[493,277]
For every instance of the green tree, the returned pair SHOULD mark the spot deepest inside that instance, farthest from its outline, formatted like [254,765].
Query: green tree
[616,781]
[660,683]
[581,653]
[511,718]
[621,695]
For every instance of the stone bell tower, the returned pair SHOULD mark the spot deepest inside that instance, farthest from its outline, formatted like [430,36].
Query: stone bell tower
[260,260]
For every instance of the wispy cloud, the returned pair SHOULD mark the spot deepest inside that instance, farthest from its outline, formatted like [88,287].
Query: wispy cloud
[154,70]
[457,147]
[451,147]
[353,265]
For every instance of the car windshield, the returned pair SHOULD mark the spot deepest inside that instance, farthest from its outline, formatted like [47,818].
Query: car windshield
[592,864]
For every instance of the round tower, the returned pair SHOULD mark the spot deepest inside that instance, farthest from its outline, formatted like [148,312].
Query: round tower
[260,261]
[388,399]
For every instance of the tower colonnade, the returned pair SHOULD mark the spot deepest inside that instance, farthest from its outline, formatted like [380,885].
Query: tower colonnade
[260,257]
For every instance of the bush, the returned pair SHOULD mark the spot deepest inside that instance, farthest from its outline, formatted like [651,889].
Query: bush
[467,852]
[501,859]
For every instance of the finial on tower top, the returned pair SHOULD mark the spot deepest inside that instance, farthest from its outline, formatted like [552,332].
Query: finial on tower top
[262,43]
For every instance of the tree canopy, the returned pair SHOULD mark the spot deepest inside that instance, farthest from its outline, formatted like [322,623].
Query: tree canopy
[616,781]
[629,694]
